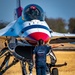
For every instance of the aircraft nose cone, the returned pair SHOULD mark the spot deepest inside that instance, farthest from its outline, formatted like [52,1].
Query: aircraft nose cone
[39,35]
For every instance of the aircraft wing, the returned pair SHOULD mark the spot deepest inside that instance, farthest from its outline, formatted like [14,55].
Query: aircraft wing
[12,29]
[8,30]
[62,37]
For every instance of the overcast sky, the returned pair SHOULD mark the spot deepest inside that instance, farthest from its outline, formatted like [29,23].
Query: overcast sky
[53,8]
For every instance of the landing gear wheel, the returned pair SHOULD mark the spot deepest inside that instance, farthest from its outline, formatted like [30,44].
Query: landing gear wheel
[54,71]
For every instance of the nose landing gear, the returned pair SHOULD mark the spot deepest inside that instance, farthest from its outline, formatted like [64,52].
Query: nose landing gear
[54,70]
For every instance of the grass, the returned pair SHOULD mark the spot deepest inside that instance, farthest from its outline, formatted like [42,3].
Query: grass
[62,56]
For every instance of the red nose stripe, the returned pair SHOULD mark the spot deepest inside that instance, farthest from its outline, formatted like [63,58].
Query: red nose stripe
[39,35]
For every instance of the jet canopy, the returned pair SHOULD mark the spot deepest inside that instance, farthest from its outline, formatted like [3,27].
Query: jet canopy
[33,12]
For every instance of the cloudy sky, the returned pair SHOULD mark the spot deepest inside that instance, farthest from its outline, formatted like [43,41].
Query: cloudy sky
[53,8]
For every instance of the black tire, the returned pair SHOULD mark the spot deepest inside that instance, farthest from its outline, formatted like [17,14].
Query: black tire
[54,71]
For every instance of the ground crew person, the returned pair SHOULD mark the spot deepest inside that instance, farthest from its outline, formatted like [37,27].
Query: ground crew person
[39,57]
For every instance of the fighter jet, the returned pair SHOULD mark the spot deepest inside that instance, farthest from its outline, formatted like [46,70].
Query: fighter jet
[22,34]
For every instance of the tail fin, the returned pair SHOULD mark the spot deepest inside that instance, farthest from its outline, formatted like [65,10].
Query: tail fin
[18,10]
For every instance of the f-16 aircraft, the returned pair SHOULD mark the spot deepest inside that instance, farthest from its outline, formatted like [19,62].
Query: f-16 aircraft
[22,35]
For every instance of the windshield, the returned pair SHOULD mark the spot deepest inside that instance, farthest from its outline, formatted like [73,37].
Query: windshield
[33,12]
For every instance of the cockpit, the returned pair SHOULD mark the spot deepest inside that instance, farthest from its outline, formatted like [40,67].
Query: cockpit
[32,12]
